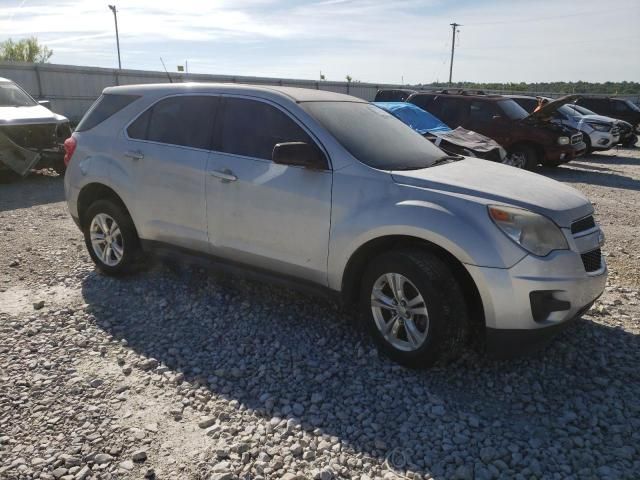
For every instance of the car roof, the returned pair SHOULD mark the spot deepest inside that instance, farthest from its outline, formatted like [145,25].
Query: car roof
[290,93]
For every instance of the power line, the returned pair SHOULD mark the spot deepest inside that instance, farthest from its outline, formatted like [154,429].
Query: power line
[552,17]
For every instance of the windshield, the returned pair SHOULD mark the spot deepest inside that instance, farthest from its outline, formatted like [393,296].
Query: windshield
[13,96]
[375,137]
[582,110]
[632,105]
[569,112]
[512,110]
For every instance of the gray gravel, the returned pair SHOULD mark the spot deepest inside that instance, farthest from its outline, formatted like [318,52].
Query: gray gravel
[180,373]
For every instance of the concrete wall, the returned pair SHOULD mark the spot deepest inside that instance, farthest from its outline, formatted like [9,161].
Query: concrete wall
[72,89]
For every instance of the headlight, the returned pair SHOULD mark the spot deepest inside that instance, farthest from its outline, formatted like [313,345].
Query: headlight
[563,140]
[535,233]
[601,127]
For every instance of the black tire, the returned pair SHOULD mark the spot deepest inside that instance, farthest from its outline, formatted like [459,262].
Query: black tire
[587,142]
[130,243]
[530,155]
[443,298]
[631,141]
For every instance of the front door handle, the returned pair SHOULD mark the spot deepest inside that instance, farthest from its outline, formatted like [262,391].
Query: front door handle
[225,175]
[134,155]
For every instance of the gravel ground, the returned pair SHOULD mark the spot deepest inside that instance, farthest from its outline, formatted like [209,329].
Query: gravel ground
[183,374]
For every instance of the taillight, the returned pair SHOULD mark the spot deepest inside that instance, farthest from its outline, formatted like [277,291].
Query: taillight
[70,145]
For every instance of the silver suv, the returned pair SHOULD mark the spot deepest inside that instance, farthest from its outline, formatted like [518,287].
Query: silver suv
[328,190]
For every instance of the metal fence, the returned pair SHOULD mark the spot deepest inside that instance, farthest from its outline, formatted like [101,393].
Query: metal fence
[72,89]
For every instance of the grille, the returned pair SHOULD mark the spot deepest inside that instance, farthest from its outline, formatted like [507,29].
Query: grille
[592,260]
[615,131]
[35,136]
[575,139]
[583,224]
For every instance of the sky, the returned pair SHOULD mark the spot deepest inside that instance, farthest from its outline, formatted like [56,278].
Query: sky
[394,41]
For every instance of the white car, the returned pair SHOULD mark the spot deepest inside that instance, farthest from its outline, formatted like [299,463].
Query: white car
[30,134]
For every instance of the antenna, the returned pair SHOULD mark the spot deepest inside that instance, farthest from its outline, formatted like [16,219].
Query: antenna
[165,70]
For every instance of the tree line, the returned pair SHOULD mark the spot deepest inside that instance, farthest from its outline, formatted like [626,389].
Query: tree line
[609,88]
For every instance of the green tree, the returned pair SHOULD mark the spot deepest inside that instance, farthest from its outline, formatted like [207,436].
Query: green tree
[25,50]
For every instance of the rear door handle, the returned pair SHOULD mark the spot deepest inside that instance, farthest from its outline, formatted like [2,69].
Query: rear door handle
[134,155]
[225,175]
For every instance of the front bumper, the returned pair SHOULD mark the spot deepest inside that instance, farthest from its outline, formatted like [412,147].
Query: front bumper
[564,153]
[603,140]
[510,314]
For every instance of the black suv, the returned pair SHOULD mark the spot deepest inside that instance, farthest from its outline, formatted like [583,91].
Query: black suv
[531,136]
[619,108]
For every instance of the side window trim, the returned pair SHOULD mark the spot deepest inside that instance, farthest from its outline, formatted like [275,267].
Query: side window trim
[217,138]
[125,130]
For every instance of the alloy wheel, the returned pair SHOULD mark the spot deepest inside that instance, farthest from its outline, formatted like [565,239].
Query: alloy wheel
[106,239]
[400,312]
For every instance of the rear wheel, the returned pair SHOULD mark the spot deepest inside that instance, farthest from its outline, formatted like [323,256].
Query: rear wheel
[527,156]
[110,237]
[413,307]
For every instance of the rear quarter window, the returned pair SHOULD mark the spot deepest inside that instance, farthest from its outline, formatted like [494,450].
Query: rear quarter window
[106,106]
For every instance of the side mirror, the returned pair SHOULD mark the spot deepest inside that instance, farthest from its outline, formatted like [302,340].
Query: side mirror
[45,103]
[299,154]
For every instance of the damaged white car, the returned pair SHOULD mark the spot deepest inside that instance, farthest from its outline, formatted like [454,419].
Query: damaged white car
[31,135]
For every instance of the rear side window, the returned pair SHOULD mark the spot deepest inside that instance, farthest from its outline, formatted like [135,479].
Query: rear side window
[252,128]
[423,101]
[107,105]
[452,111]
[186,121]
[481,112]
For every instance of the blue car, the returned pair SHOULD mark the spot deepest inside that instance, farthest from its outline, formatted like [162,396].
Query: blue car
[459,141]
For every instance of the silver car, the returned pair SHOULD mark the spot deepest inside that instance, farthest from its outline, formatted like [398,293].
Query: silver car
[330,191]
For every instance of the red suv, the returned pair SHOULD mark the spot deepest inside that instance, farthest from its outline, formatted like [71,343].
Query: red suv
[532,136]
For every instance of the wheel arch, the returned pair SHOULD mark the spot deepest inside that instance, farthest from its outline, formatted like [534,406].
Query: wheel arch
[93,192]
[359,259]
[537,147]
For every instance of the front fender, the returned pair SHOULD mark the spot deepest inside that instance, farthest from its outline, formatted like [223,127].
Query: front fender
[462,228]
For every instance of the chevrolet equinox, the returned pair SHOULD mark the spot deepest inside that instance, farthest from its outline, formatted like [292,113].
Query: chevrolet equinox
[328,190]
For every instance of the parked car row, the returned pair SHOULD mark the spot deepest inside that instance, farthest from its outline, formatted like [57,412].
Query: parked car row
[556,133]
[31,135]
[326,190]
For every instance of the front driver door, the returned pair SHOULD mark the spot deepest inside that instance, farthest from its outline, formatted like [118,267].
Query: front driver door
[266,215]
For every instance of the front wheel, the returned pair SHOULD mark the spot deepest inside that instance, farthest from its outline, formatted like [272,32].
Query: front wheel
[110,237]
[413,307]
[527,157]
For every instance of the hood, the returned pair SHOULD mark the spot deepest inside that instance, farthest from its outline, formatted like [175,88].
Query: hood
[597,119]
[548,109]
[28,115]
[495,183]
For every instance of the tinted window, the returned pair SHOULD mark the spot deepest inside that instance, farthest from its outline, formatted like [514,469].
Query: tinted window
[184,120]
[529,104]
[252,128]
[423,101]
[620,106]
[373,136]
[107,105]
[452,111]
[481,112]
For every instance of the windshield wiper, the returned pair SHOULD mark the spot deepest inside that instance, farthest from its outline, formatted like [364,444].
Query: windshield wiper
[447,159]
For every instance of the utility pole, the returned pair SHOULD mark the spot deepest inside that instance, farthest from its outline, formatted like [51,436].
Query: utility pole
[454,27]
[115,18]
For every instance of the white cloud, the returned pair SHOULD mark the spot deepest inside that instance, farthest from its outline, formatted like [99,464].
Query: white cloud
[371,40]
